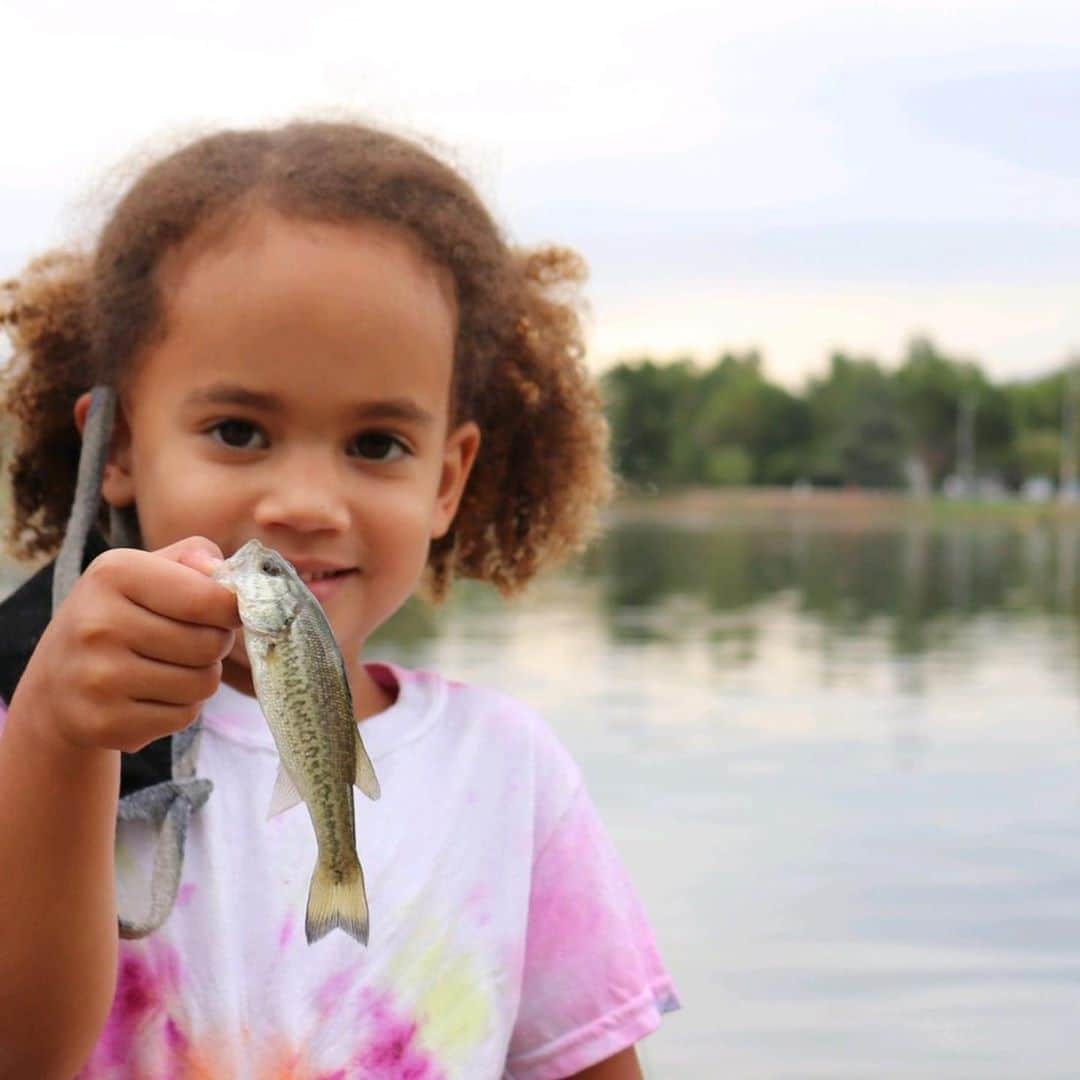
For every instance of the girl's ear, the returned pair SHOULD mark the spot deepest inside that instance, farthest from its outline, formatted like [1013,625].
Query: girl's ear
[117,485]
[458,457]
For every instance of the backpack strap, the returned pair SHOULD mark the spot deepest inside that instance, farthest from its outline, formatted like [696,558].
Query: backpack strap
[158,783]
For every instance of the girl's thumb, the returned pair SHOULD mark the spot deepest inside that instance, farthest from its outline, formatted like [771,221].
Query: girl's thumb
[194,551]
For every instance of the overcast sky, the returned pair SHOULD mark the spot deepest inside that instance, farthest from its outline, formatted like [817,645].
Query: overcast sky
[790,176]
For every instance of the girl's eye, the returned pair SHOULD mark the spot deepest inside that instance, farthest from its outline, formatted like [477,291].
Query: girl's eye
[377,446]
[239,435]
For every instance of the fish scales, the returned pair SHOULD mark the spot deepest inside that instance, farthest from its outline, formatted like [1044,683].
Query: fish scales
[323,754]
[303,690]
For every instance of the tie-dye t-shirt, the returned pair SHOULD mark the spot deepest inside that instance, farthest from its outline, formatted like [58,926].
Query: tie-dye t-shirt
[506,940]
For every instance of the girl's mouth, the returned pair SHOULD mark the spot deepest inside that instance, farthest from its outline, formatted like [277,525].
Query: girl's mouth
[325,583]
[323,575]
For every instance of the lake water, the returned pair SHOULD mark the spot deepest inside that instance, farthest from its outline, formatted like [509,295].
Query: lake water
[844,770]
[843,767]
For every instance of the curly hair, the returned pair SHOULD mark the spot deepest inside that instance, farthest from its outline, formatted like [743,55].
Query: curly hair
[76,321]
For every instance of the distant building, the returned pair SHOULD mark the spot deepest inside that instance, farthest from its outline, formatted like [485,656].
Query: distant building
[955,486]
[1037,489]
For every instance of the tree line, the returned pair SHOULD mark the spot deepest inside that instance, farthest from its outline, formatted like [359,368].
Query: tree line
[727,423]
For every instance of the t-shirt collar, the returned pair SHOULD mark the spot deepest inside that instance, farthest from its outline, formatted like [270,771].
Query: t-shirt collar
[420,696]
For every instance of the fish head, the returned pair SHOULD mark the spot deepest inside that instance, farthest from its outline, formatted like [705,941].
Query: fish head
[268,590]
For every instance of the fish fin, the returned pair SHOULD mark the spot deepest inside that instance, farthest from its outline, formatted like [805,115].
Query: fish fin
[337,903]
[285,794]
[365,778]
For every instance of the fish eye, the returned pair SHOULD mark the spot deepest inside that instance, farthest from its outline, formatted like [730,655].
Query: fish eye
[271,568]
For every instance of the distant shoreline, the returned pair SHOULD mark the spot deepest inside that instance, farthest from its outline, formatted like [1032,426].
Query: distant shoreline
[828,507]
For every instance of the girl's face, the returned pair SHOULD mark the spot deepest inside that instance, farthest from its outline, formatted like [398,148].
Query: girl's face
[300,394]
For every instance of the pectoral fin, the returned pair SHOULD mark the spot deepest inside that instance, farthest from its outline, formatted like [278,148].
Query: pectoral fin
[285,793]
[365,778]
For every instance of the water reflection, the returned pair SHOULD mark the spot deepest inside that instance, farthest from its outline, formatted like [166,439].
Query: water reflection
[922,584]
[917,592]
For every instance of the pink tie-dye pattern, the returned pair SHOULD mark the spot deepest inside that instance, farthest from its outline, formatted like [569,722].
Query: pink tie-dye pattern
[331,994]
[141,1036]
[394,1051]
[177,1041]
[286,932]
[233,725]
[143,1040]
[582,911]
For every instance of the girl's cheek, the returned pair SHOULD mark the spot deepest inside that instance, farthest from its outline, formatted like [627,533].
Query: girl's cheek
[405,511]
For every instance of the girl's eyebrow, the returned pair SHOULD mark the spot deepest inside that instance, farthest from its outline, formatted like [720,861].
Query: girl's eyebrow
[401,408]
[233,394]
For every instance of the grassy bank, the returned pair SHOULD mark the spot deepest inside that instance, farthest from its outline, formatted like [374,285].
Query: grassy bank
[831,508]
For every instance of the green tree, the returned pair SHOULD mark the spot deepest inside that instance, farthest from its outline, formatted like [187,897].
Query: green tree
[1038,453]
[932,387]
[858,430]
[645,404]
[727,423]
[740,407]
[1036,404]
[1035,408]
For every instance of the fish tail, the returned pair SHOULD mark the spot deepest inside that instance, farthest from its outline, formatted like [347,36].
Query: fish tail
[337,900]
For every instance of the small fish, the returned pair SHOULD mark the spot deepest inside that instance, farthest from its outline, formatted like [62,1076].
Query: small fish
[301,685]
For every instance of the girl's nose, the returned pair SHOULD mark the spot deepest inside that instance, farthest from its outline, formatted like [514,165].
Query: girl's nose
[305,494]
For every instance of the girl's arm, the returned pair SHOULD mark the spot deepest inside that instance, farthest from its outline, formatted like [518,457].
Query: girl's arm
[623,1066]
[58,940]
[128,657]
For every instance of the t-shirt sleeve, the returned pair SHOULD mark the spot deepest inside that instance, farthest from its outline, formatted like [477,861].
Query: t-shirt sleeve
[593,982]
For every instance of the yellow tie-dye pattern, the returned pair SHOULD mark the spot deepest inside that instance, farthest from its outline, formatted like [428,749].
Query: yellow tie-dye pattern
[446,993]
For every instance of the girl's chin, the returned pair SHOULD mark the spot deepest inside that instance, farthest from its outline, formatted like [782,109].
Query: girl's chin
[236,668]
[239,676]
[238,653]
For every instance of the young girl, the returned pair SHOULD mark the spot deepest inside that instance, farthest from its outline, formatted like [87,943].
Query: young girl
[315,336]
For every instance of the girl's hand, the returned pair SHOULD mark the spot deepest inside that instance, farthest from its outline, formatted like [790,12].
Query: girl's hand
[133,651]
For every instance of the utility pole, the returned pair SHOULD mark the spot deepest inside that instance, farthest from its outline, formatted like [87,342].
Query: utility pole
[1070,385]
[965,443]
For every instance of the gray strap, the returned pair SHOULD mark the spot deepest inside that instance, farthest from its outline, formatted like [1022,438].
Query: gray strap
[95,449]
[168,805]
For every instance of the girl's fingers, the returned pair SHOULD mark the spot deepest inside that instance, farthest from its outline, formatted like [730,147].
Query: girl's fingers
[167,684]
[156,582]
[130,705]
[171,642]
[147,721]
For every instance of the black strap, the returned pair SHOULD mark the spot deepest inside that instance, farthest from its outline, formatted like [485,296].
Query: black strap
[23,618]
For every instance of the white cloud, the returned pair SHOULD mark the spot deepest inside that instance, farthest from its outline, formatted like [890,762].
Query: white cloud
[632,127]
